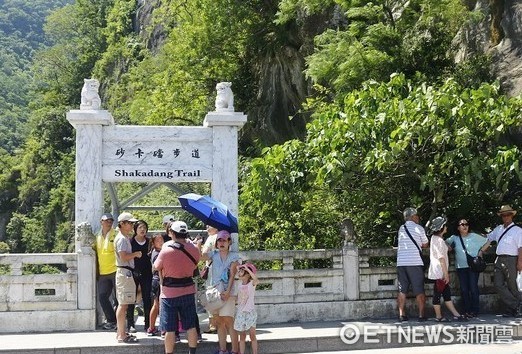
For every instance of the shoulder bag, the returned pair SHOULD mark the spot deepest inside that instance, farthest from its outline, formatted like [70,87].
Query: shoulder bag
[476,264]
[211,299]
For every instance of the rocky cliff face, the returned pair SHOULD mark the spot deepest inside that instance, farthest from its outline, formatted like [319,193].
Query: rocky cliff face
[498,34]
[281,87]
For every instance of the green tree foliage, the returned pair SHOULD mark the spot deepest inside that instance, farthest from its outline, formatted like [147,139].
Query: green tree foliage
[173,84]
[372,148]
[387,146]
[21,34]
[378,38]
[42,218]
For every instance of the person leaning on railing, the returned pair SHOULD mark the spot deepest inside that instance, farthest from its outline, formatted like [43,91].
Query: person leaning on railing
[467,242]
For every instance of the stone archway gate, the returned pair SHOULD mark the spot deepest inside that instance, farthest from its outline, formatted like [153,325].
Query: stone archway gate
[107,152]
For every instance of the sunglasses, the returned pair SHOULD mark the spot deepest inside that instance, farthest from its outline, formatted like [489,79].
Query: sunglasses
[463,224]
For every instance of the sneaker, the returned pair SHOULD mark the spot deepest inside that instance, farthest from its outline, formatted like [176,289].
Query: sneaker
[109,326]
[131,329]
[163,334]
[200,338]
[178,339]
[403,318]
[151,332]
[422,319]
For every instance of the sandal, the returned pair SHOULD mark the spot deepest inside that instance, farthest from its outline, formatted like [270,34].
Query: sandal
[128,339]
[442,319]
[461,318]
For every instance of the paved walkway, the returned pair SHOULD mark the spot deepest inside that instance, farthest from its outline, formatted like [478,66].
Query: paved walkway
[310,337]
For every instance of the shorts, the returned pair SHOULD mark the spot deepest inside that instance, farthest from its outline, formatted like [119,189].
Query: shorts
[172,310]
[245,320]
[125,287]
[228,309]
[411,275]
[155,288]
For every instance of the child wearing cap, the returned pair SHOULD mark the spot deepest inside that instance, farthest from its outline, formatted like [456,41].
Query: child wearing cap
[246,315]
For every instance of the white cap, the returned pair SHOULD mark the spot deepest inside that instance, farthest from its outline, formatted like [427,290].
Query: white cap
[179,226]
[126,217]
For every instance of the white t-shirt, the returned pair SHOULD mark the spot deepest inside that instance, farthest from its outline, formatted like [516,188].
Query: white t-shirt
[407,252]
[438,250]
[510,242]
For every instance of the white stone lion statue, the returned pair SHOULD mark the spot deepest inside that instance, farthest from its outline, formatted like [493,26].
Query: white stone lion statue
[224,98]
[84,235]
[90,97]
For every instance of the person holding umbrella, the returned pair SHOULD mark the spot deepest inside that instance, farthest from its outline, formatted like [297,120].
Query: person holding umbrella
[222,274]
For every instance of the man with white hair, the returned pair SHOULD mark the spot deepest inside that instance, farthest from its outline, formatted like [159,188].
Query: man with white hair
[410,267]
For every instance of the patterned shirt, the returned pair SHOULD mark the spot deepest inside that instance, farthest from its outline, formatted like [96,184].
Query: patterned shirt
[245,297]
[407,252]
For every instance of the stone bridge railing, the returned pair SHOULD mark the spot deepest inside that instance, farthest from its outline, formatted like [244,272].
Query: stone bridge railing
[347,283]
[48,299]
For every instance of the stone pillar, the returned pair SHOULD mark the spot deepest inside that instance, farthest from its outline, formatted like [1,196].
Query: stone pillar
[225,126]
[89,184]
[88,194]
[351,271]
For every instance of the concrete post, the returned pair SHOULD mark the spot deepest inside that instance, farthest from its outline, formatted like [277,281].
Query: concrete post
[225,127]
[351,271]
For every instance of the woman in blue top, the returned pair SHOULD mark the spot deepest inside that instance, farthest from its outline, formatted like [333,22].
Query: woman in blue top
[468,279]
[222,274]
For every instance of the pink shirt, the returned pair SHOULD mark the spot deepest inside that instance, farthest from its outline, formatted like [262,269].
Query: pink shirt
[176,264]
[245,297]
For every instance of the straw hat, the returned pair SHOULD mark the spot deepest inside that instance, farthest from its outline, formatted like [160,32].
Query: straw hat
[506,209]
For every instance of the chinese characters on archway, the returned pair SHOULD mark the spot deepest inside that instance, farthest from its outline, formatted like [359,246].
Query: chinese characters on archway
[159,153]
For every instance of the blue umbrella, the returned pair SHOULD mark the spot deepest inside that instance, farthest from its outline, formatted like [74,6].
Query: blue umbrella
[210,211]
